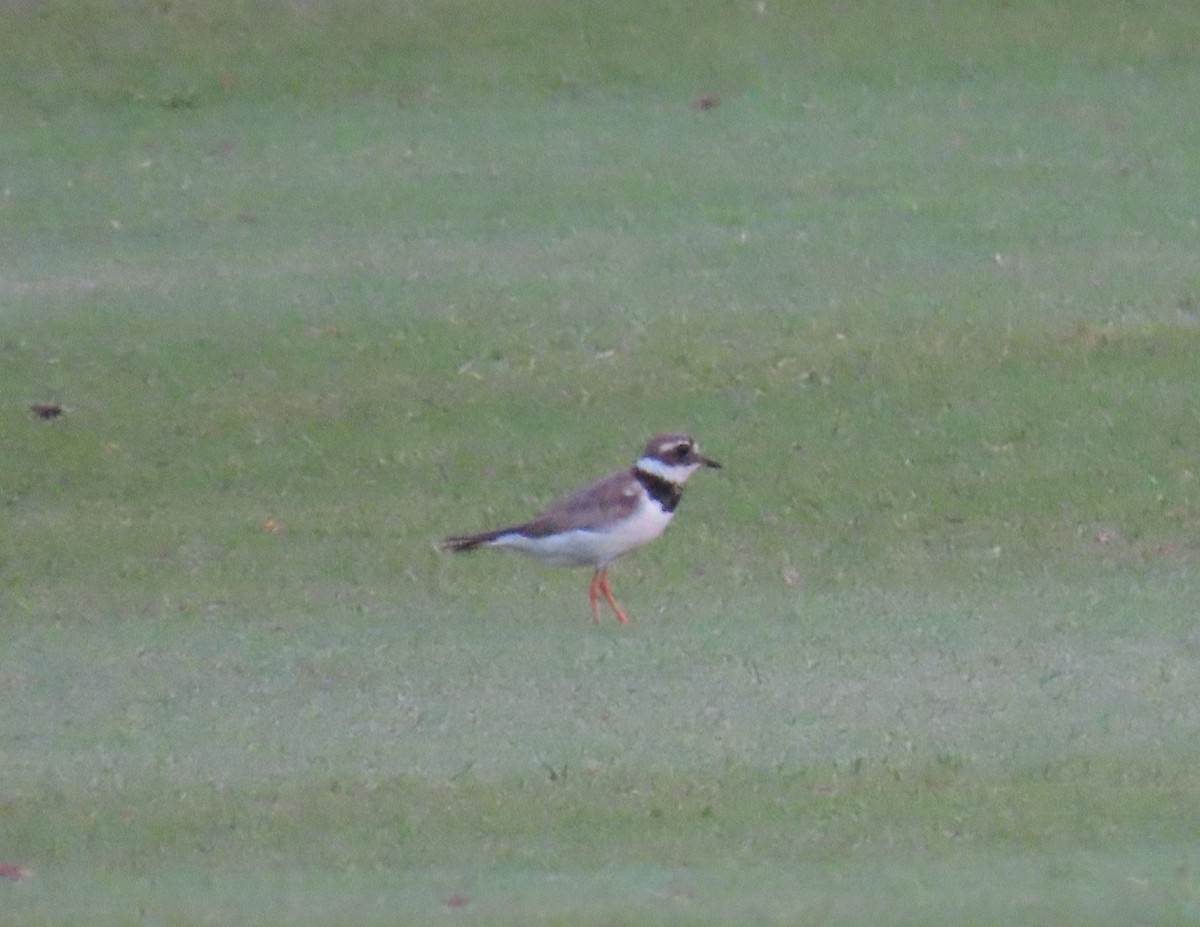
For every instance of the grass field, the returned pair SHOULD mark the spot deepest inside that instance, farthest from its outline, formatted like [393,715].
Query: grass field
[318,284]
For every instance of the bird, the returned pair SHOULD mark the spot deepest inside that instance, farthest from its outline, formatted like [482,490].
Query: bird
[596,524]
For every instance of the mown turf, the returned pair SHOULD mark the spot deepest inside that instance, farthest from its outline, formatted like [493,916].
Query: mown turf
[320,284]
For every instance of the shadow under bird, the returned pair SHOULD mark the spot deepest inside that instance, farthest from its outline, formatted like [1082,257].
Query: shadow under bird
[598,523]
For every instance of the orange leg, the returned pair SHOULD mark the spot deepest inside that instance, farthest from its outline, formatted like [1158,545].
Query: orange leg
[603,574]
[592,590]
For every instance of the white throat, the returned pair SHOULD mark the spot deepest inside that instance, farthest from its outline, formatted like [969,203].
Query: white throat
[672,473]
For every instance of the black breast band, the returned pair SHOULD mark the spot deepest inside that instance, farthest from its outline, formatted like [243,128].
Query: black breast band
[664,492]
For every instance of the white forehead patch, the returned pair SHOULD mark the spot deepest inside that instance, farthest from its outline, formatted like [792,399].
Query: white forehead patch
[668,447]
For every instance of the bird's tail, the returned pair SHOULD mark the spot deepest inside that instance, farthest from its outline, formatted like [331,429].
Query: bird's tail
[466,542]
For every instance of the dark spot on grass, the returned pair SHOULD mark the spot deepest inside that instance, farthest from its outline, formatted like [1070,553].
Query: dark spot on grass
[47,410]
[181,101]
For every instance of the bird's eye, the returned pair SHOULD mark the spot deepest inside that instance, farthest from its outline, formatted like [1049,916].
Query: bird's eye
[682,450]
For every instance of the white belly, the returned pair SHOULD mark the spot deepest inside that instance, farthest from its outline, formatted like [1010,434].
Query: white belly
[593,547]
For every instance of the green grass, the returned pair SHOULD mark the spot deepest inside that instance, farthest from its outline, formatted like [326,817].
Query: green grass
[319,284]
